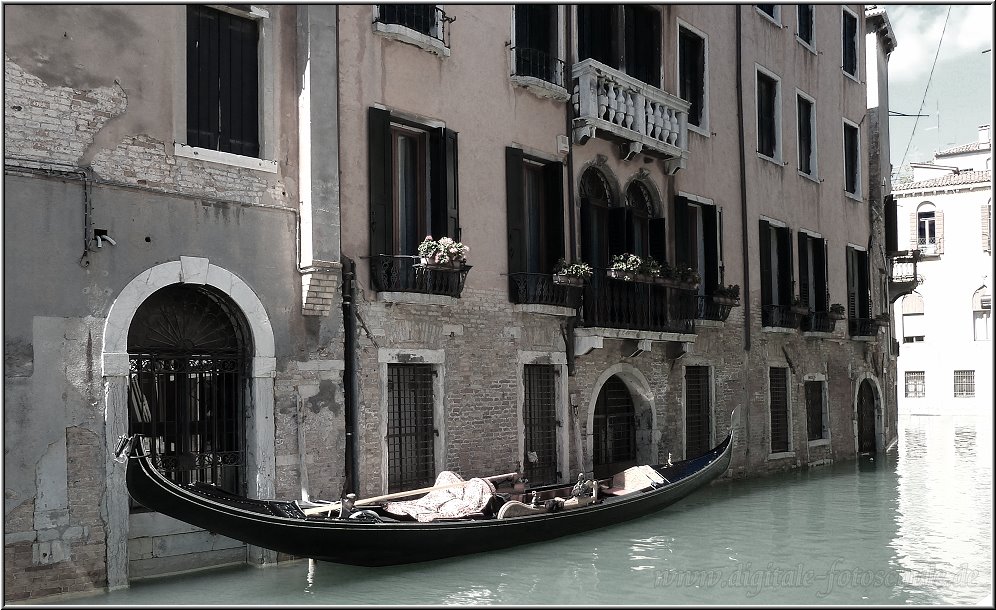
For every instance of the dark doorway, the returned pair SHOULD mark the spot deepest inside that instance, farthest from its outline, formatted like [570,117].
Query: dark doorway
[614,429]
[866,418]
[188,348]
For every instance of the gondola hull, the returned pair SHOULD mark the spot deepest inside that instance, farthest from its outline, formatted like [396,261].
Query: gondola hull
[281,526]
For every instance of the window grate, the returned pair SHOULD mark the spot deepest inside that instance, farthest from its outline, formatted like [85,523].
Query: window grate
[778,389]
[916,384]
[964,384]
[539,413]
[410,430]
[697,411]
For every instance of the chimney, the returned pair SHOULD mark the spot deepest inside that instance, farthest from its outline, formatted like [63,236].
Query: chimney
[984,137]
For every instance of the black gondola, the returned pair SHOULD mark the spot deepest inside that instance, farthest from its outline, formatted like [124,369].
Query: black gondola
[377,539]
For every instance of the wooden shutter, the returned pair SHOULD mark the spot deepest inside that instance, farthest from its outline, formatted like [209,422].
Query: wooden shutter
[202,76]
[852,284]
[719,240]
[643,42]
[804,278]
[864,296]
[238,76]
[444,207]
[914,232]
[820,272]
[891,225]
[784,271]
[986,213]
[764,245]
[710,247]
[681,243]
[619,230]
[596,34]
[380,177]
[515,212]
[553,176]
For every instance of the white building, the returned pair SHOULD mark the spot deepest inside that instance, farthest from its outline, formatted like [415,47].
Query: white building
[945,326]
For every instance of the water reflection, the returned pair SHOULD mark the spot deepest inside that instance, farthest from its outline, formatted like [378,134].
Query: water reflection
[911,527]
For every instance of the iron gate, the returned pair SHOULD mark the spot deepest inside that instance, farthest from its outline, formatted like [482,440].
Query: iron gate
[539,414]
[410,429]
[614,429]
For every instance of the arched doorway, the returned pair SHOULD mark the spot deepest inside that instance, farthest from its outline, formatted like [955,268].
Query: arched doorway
[189,349]
[866,418]
[614,429]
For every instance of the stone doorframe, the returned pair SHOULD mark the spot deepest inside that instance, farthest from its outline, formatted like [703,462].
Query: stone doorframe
[643,400]
[879,424]
[260,449]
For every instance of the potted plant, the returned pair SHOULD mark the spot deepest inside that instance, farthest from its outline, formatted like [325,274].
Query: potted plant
[442,253]
[573,274]
[883,319]
[798,307]
[625,266]
[689,277]
[836,312]
[726,295]
[649,270]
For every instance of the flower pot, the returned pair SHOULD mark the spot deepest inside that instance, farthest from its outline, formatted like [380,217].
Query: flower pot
[836,316]
[646,278]
[799,310]
[730,301]
[621,274]
[568,280]
[429,263]
[881,322]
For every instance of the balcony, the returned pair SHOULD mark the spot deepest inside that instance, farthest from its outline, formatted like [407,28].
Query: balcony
[709,309]
[422,25]
[540,289]
[779,316]
[618,107]
[903,275]
[617,303]
[539,71]
[403,273]
[927,246]
[862,327]
[818,322]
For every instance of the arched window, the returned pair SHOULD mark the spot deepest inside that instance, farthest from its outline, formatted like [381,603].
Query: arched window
[927,229]
[189,349]
[614,428]
[914,325]
[982,305]
[596,199]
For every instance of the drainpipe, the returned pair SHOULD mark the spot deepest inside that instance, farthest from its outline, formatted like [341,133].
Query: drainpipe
[569,112]
[349,385]
[743,229]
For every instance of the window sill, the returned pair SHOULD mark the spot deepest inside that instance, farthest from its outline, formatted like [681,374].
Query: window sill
[774,160]
[224,158]
[703,323]
[548,310]
[854,196]
[624,333]
[772,20]
[401,33]
[853,77]
[416,298]
[820,442]
[701,130]
[817,335]
[864,338]
[778,330]
[810,177]
[808,46]
[540,87]
[781,455]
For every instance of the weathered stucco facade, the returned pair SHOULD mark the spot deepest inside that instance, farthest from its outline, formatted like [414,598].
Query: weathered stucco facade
[96,113]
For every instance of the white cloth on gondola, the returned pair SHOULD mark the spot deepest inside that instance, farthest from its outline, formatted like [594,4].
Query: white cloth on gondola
[451,503]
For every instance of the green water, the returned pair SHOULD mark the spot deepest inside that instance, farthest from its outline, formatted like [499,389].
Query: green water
[912,527]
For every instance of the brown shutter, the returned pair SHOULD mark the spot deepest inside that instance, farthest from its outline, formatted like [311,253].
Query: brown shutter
[986,221]
[939,230]
[804,269]
[914,233]
[381,198]
[202,77]
[764,246]
[515,213]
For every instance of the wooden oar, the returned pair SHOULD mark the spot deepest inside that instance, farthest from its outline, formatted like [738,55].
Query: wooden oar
[314,510]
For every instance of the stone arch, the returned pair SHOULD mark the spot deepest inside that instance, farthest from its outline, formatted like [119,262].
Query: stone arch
[260,449]
[608,177]
[868,383]
[647,439]
[642,179]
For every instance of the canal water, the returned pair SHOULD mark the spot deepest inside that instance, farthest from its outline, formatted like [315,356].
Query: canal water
[913,526]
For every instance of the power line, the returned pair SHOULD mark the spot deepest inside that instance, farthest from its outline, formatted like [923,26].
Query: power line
[927,88]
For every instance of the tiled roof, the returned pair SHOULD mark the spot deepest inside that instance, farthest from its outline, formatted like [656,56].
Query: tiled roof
[951,179]
[964,148]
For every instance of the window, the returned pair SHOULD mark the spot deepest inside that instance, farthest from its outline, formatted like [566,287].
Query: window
[768,103]
[804,14]
[987,223]
[413,184]
[852,169]
[608,229]
[816,410]
[849,42]
[772,11]
[698,411]
[927,229]
[535,212]
[410,429]
[692,74]
[914,322]
[779,407]
[776,274]
[806,124]
[222,81]
[626,37]
[964,384]
[858,299]
[535,46]
[916,385]
[614,429]
[813,280]
[697,233]
[981,310]
[539,414]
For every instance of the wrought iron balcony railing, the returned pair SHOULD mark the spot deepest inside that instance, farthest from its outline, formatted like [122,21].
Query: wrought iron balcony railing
[819,322]
[403,273]
[781,316]
[540,289]
[539,64]
[862,327]
[617,303]
[425,19]
[927,245]
[708,309]
[630,111]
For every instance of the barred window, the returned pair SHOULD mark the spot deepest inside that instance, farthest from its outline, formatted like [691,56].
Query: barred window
[816,417]
[964,384]
[916,385]
[778,393]
[410,429]
[539,414]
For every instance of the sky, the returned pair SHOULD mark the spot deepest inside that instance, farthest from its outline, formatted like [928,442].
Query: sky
[958,94]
